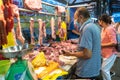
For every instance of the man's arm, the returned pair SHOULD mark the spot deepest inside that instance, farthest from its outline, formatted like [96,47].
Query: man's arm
[85,53]
[75,32]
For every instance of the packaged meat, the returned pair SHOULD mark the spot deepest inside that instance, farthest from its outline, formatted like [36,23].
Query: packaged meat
[39,60]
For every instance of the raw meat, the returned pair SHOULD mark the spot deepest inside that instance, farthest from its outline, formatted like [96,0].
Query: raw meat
[60,9]
[40,39]
[44,29]
[8,15]
[53,28]
[19,35]
[33,4]
[55,49]
[32,30]
[3,35]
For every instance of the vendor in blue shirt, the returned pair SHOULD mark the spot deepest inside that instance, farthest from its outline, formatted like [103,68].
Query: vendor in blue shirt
[73,30]
[89,48]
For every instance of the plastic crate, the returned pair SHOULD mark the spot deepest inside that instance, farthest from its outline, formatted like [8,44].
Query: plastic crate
[4,66]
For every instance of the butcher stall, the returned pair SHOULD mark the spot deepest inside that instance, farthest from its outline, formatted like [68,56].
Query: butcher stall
[42,26]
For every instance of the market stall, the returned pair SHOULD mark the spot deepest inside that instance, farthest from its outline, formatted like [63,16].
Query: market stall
[48,61]
[45,59]
[34,37]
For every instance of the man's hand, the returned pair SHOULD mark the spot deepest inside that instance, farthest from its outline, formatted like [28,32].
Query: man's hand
[67,53]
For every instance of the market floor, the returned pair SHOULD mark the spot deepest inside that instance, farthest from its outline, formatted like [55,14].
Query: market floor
[116,69]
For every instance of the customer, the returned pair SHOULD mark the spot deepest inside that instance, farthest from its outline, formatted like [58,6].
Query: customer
[73,29]
[89,47]
[108,41]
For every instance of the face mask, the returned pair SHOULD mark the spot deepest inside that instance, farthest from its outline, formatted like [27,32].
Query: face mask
[76,25]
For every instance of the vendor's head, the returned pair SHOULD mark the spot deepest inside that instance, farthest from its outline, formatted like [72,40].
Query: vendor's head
[81,15]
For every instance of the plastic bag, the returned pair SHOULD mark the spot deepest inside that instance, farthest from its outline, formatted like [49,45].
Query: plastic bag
[10,39]
[39,60]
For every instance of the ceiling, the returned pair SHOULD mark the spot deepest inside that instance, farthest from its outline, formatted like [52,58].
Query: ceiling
[112,5]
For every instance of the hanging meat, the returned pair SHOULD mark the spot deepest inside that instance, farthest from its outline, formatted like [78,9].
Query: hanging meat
[59,22]
[63,31]
[33,4]
[60,9]
[52,22]
[32,30]
[15,11]
[44,29]
[19,35]
[8,15]
[3,35]
[40,31]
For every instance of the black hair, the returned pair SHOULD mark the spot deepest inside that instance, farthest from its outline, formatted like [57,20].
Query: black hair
[106,18]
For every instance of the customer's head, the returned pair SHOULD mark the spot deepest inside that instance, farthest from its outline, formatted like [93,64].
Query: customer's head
[81,14]
[104,20]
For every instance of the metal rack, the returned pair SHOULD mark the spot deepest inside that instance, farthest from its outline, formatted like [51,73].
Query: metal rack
[40,12]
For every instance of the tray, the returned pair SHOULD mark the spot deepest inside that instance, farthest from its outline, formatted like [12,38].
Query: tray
[16,51]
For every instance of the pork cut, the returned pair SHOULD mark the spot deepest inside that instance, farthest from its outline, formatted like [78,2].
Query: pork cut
[8,15]
[33,4]
[60,9]
[44,29]
[15,10]
[40,39]
[52,22]
[32,30]
[16,15]
[3,35]
[19,35]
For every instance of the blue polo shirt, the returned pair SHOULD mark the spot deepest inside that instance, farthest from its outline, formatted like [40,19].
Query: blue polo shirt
[90,39]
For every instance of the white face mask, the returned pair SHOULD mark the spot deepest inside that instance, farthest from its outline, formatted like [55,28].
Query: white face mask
[76,25]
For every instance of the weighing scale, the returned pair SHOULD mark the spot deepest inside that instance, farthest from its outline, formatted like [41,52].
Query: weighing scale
[21,69]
